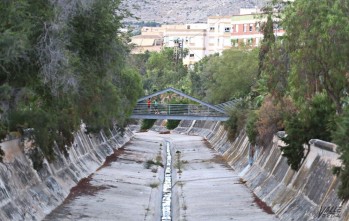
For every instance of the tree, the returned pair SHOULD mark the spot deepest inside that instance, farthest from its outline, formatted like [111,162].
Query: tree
[267,42]
[313,121]
[233,75]
[317,40]
[341,138]
[163,72]
[63,62]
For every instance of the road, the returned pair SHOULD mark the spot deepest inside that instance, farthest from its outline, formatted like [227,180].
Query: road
[129,185]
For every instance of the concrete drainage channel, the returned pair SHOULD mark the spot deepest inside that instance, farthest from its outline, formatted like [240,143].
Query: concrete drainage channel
[167,187]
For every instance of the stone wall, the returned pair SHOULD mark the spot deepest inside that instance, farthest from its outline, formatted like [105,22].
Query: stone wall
[301,195]
[27,194]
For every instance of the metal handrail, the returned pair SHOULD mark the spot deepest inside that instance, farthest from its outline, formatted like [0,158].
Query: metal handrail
[176,109]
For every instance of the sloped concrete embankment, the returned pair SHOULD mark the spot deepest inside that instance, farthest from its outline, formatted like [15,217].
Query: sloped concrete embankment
[302,195]
[26,194]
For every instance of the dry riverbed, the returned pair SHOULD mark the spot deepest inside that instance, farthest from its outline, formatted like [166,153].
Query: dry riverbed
[129,185]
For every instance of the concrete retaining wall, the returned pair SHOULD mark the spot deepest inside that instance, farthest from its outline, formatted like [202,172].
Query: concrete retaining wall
[301,195]
[26,194]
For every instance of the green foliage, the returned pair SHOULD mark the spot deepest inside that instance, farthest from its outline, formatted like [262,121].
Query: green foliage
[37,158]
[267,42]
[163,71]
[3,130]
[220,79]
[172,124]
[199,77]
[318,44]
[274,74]
[60,67]
[5,92]
[147,124]
[228,82]
[2,154]
[311,122]
[149,163]
[251,127]
[295,139]
[237,119]
[341,138]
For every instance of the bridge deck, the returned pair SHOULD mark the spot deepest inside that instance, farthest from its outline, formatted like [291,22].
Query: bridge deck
[178,112]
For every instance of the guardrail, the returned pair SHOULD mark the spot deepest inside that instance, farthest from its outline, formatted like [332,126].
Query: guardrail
[176,109]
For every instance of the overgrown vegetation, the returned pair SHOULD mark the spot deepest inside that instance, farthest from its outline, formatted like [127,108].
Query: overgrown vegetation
[304,80]
[2,154]
[147,124]
[149,163]
[161,71]
[297,82]
[172,124]
[60,63]
[218,79]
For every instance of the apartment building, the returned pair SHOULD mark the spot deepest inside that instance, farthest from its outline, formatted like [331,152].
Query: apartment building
[199,40]
[218,34]
[246,30]
[190,37]
[151,39]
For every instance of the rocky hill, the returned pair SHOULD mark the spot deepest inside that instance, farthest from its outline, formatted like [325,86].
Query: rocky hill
[185,11]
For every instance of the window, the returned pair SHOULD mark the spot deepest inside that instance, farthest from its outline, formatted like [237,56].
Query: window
[227,29]
[245,28]
[251,27]
[158,42]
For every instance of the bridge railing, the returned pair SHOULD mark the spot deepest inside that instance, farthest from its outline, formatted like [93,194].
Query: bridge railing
[176,109]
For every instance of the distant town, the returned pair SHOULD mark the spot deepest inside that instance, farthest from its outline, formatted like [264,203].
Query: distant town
[194,41]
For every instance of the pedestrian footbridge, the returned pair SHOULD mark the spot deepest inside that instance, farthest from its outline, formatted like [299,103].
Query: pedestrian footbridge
[198,111]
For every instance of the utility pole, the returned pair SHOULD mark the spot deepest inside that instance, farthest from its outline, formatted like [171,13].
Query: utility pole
[178,50]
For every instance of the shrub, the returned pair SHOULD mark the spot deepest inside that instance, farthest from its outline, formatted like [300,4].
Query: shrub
[172,124]
[2,154]
[235,123]
[341,138]
[312,121]
[251,127]
[37,158]
[271,118]
[147,124]
[3,130]
[154,185]
[149,163]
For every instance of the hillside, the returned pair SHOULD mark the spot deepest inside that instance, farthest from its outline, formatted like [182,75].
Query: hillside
[181,11]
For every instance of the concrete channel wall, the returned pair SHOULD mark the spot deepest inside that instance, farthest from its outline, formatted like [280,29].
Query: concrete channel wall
[26,194]
[309,194]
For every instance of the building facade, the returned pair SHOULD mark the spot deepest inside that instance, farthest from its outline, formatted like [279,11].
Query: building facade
[200,40]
